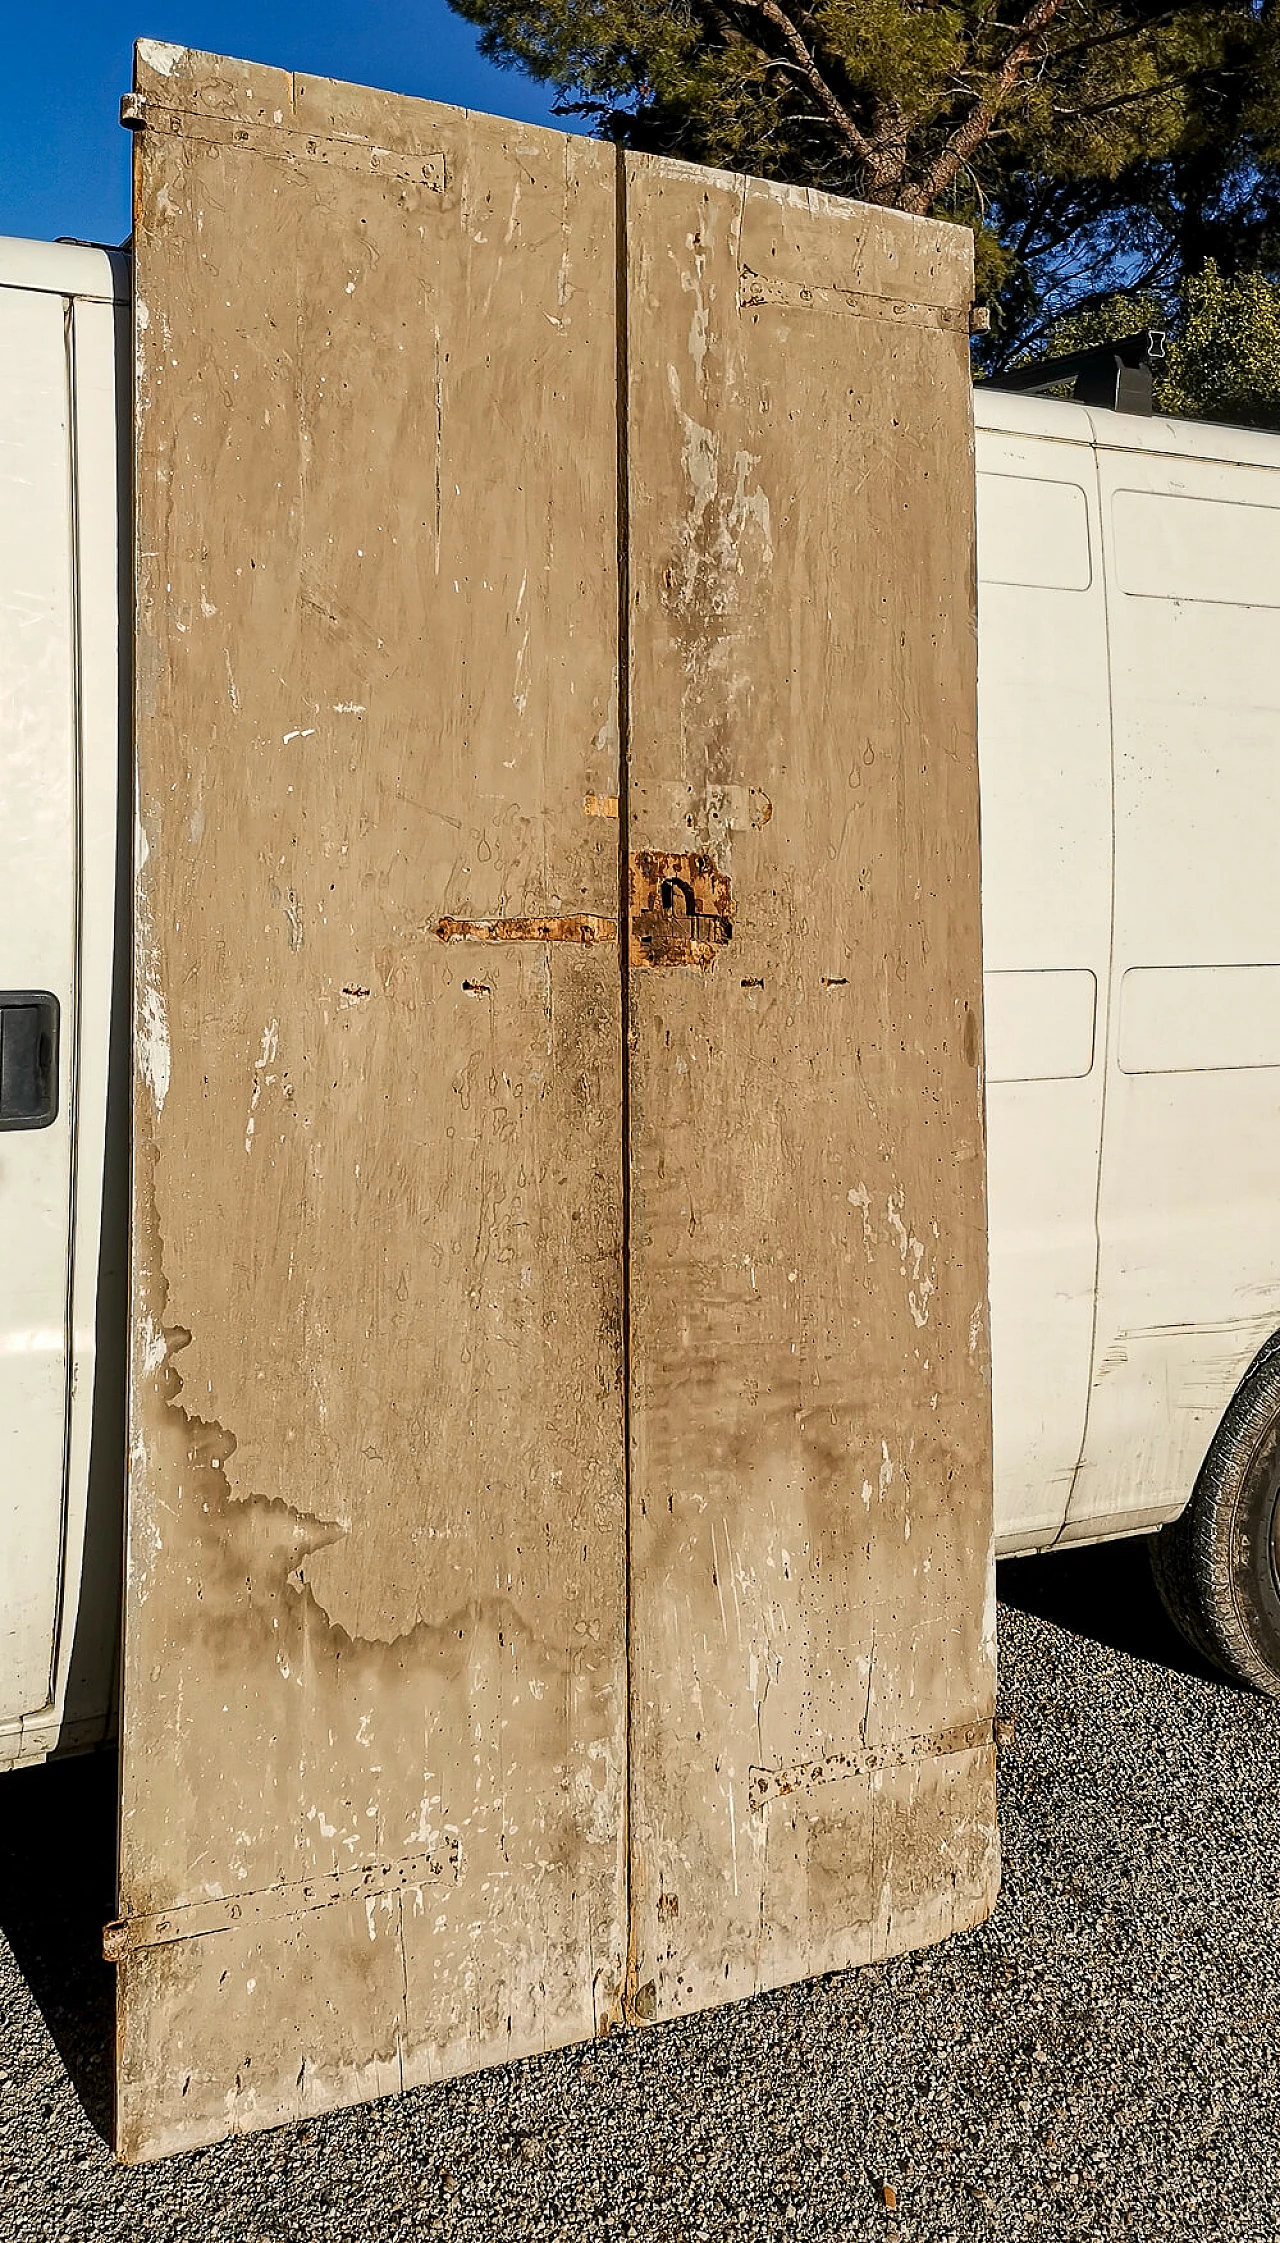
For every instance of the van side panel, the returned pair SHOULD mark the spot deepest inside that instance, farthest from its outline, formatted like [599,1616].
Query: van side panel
[62,1315]
[1045,756]
[1189,1272]
[37,953]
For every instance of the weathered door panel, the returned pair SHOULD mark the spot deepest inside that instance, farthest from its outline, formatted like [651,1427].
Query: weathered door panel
[811,1642]
[381,1813]
[375,1704]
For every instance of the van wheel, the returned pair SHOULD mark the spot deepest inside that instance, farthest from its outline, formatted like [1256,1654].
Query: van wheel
[1217,1568]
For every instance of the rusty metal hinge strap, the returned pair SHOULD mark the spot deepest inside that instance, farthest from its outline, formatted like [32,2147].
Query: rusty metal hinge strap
[278,1903]
[756,291]
[142,112]
[582,926]
[777,1783]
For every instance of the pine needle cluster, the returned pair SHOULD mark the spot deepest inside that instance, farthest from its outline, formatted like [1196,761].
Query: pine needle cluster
[1093,145]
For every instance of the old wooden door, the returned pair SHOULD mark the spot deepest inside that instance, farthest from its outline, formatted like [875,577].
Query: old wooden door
[559,1500]
[811,1653]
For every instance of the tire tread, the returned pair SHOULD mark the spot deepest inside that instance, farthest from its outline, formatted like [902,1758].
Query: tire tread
[1191,1559]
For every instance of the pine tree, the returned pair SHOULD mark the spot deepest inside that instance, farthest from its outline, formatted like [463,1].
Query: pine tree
[1089,143]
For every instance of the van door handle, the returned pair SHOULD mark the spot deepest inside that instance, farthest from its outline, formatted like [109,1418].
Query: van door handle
[28,1058]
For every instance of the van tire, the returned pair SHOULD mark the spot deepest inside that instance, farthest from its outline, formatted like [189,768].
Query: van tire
[1217,1567]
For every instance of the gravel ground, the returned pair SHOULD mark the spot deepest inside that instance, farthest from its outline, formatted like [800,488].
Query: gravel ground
[1098,2061]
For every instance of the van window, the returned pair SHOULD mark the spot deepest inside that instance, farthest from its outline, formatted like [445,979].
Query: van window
[1039,1025]
[1033,532]
[1176,548]
[1186,1019]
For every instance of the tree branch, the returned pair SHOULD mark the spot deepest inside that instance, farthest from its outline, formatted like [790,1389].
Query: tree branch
[961,144]
[1117,36]
[854,140]
[1141,93]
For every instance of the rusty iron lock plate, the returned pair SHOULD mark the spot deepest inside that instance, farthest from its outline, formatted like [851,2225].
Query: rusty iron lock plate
[680,909]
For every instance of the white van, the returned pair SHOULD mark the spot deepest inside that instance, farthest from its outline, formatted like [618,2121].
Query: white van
[1130,764]
[64,1087]
[1129,730]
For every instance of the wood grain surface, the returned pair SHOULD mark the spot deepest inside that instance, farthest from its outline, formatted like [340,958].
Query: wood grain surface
[559,1518]
[810,1498]
[376,1540]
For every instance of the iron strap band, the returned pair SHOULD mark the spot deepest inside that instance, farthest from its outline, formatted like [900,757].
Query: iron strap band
[278,1903]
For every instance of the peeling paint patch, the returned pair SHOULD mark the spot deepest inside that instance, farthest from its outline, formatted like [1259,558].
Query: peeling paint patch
[923,1282]
[154,1056]
[270,1045]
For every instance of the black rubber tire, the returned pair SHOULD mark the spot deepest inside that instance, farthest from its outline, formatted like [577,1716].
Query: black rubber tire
[1217,1568]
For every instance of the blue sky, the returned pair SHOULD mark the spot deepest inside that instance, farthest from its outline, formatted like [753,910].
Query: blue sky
[64,160]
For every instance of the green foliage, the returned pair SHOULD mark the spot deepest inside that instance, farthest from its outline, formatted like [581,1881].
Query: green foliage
[1089,143]
[1108,319]
[1222,350]
[1224,360]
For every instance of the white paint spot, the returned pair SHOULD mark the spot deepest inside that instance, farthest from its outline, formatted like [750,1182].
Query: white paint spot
[308,734]
[153,1044]
[861,1199]
[912,1250]
[161,58]
[270,1046]
[154,1348]
[989,1613]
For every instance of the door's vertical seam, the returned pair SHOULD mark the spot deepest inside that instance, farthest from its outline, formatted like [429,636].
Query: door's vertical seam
[627,1990]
